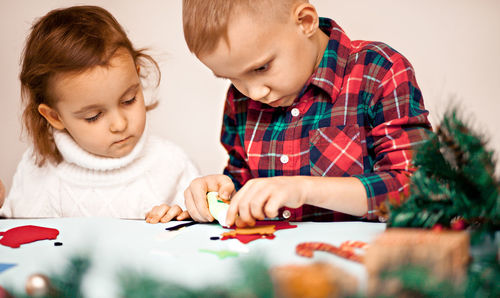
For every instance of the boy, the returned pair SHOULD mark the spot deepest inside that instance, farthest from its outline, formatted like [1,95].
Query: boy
[317,127]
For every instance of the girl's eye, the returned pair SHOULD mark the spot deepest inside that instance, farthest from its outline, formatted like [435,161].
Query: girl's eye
[93,118]
[262,68]
[129,102]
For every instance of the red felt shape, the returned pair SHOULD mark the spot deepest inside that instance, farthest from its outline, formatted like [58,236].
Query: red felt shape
[249,238]
[278,225]
[26,234]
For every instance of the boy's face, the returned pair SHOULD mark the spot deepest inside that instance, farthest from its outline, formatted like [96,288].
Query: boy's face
[267,60]
[102,108]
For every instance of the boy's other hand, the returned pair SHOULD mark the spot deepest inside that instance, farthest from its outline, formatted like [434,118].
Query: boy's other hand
[165,213]
[196,195]
[262,197]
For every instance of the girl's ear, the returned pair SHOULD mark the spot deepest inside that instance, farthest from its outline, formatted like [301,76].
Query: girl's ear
[307,18]
[51,116]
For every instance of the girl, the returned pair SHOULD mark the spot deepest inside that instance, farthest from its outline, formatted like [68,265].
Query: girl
[86,116]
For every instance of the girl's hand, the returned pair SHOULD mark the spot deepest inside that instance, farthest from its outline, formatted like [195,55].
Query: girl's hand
[165,213]
[262,197]
[196,195]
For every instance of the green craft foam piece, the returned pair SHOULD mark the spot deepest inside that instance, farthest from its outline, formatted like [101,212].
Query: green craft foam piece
[222,254]
[217,207]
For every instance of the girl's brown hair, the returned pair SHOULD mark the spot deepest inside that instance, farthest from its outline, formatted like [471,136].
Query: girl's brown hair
[72,39]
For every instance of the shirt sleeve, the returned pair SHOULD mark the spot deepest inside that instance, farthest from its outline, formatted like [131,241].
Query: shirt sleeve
[398,124]
[232,136]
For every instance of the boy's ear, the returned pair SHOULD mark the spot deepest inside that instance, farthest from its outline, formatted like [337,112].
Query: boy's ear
[51,116]
[307,18]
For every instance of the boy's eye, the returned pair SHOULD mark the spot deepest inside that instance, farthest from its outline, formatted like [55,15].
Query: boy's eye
[262,68]
[93,118]
[129,102]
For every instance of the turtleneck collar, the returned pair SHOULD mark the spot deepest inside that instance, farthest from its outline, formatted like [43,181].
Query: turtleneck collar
[74,154]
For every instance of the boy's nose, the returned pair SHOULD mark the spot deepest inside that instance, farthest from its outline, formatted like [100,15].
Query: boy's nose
[258,92]
[118,123]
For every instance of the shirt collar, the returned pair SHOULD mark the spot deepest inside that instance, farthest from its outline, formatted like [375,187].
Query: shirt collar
[330,73]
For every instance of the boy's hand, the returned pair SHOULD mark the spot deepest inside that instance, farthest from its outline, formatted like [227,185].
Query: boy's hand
[165,213]
[262,197]
[196,195]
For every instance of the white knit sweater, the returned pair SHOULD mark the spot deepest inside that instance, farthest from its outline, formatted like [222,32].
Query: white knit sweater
[155,172]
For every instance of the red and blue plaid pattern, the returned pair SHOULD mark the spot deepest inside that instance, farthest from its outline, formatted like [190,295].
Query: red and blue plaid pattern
[360,114]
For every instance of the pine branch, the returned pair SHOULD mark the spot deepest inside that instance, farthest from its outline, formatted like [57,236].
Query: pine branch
[455,178]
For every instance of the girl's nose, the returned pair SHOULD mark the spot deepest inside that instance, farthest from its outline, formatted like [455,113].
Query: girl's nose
[118,123]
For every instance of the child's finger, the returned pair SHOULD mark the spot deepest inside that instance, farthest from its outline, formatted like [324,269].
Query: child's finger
[156,213]
[234,206]
[226,187]
[240,223]
[232,211]
[271,207]
[246,195]
[246,220]
[257,205]
[198,206]
[183,216]
[212,182]
[171,213]
[255,199]
[191,206]
[201,204]
[244,211]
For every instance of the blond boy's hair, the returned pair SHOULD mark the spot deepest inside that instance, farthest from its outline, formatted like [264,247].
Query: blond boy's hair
[205,21]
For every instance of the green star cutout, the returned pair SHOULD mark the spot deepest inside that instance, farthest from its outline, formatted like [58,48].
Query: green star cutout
[222,254]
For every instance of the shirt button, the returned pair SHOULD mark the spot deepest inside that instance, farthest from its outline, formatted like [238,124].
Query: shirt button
[284,159]
[295,112]
[382,219]
[286,214]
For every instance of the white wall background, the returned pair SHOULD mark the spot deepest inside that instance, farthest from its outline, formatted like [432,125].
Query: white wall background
[454,46]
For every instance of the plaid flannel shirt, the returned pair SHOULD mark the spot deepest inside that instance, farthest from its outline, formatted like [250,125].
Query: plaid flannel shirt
[360,114]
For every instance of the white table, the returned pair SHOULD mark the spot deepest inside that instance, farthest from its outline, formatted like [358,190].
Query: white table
[115,244]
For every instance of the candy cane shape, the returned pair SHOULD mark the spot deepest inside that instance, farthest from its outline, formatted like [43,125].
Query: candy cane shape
[306,249]
[350,244]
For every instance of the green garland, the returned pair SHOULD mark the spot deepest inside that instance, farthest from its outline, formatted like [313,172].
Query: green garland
[67,283]
[254,281]
[455,180]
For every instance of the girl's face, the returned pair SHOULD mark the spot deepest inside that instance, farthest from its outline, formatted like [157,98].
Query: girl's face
[102,108]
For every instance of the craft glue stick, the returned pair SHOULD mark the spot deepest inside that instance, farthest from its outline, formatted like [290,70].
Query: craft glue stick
[217,207]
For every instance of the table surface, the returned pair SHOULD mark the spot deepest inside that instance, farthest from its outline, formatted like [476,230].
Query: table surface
[115,244]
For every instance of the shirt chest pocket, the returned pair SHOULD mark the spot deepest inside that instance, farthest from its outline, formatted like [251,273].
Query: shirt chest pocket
[336,151]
